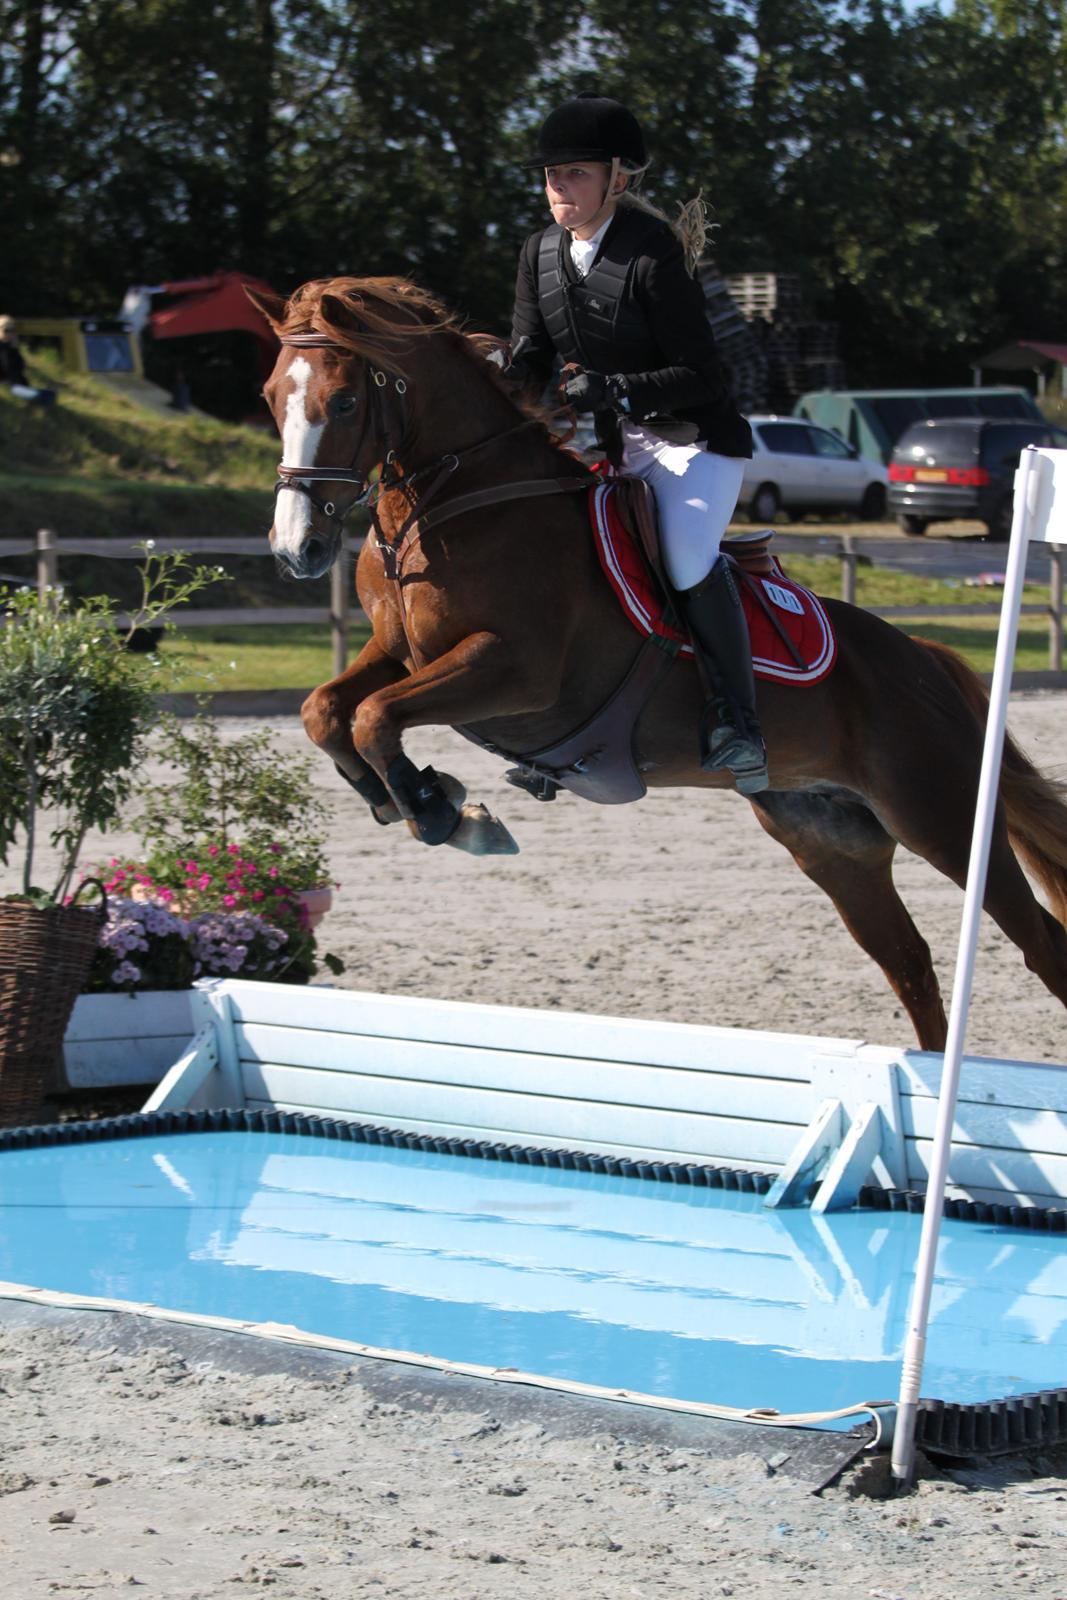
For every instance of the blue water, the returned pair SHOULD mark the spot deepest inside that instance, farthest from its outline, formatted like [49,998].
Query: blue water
[691,1293]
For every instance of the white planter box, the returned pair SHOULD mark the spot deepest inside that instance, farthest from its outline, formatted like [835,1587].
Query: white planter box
[116,1039]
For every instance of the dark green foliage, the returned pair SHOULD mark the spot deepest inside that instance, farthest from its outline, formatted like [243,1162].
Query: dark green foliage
[909,163]
[75,706]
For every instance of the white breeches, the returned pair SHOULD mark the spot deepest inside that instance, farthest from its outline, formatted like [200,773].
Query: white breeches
[696,492]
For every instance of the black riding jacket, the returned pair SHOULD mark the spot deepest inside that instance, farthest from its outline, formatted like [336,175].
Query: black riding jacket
[637,313]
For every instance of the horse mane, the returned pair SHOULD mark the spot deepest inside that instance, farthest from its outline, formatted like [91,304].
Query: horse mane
[375,318]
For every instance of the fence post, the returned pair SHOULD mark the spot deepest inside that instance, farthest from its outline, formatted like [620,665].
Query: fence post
[47,562]
[339,575]
[849,562]
[1055,608]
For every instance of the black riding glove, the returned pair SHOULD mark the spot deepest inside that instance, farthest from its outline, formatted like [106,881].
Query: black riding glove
[585,391]
[592,391]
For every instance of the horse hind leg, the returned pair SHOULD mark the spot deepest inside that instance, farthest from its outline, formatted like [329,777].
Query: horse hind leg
[840,845]
[1012,904]
[1031,819]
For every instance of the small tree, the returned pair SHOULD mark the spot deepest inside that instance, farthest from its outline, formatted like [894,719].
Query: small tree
[242,792]
[75,707]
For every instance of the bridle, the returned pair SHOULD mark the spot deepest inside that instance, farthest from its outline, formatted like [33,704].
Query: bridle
[297,479]
[438,472]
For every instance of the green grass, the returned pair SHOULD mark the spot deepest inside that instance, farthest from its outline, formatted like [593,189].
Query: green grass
[879,586]
[212,659]
[94,432]
[977,641]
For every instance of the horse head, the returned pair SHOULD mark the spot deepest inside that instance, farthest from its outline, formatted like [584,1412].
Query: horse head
[338,397]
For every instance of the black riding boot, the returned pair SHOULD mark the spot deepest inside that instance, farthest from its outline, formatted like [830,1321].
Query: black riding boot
[730,733]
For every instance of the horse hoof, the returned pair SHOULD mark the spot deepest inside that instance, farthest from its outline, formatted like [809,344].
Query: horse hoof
[454,790]
[481,834]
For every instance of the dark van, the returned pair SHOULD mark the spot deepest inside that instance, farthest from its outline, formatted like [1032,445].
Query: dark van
[961,467]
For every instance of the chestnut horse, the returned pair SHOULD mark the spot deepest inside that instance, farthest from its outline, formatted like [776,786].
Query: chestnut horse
[494,616]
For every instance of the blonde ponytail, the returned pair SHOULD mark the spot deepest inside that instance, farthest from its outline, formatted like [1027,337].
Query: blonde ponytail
[691,225]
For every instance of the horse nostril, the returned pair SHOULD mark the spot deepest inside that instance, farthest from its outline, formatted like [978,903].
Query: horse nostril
[315,551]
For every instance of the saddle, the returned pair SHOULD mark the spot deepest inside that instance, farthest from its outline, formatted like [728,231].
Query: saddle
[635,507]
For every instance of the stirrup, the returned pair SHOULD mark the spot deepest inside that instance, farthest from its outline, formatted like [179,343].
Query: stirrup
[737,751]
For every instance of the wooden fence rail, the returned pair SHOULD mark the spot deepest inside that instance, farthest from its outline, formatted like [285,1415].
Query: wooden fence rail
[340,613]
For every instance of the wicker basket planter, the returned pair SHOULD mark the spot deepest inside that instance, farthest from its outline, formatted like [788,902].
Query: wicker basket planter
[45,955]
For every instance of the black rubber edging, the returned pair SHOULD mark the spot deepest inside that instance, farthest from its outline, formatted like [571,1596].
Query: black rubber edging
[1039,1219]
[1017,1423]
[1022,1422]
[140,1124]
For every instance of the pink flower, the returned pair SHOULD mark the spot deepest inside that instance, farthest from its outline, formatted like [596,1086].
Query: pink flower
[275,849]
[203,880]
[229,899]
[257,894]
[212,849]
[233,849]
[272,872]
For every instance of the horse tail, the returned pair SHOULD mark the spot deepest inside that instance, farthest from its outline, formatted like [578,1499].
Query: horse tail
[1034,806]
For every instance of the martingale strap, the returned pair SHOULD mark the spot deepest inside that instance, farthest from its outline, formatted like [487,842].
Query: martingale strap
[419,521]
[527,490]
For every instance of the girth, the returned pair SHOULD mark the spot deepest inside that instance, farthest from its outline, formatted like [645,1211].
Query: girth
[595,760]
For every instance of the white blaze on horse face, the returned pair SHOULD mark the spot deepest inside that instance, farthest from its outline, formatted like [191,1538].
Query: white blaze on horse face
[300,443]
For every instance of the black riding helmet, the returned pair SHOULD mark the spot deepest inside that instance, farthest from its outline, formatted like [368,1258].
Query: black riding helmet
[589,128]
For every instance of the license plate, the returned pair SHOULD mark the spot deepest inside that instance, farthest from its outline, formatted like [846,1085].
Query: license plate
[931,475]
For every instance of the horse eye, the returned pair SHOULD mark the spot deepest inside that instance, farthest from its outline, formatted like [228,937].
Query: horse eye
[344,404]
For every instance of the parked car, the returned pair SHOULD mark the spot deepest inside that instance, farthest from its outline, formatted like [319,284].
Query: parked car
[874,419]
[952,467]
[797,466]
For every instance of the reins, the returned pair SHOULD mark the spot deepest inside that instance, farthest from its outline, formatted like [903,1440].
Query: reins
[393,550]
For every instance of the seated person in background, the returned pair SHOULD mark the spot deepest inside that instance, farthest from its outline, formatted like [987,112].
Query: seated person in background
[13,368]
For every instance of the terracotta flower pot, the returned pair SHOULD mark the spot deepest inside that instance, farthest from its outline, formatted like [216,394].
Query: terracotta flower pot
[317,902]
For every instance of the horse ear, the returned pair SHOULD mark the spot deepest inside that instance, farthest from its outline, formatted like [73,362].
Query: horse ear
[334,310]
[271,306]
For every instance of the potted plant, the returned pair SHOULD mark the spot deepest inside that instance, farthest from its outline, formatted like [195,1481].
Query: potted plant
[238,797]
[75,708]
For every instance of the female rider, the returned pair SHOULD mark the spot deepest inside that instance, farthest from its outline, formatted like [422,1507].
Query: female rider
[608,288]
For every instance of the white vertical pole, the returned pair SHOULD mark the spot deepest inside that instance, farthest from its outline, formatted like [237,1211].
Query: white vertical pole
[1026,483]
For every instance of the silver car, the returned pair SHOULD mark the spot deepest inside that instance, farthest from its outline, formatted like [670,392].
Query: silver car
[797,466]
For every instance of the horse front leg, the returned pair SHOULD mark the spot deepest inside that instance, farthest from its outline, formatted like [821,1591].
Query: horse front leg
[327,715]
[472,682]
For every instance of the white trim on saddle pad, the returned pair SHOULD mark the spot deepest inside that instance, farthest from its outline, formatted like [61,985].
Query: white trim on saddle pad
[785,599]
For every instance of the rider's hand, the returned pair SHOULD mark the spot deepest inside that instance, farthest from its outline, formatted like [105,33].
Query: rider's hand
[585,391]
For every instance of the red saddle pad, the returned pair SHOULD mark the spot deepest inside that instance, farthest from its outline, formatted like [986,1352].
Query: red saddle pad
[796,610]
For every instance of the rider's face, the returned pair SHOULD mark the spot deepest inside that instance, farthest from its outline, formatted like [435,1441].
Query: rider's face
[576,194]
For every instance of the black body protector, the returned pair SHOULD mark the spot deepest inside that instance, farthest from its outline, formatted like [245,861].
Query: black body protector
[592,320]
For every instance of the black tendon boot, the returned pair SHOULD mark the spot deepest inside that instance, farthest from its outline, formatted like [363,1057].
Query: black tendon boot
[730,733]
